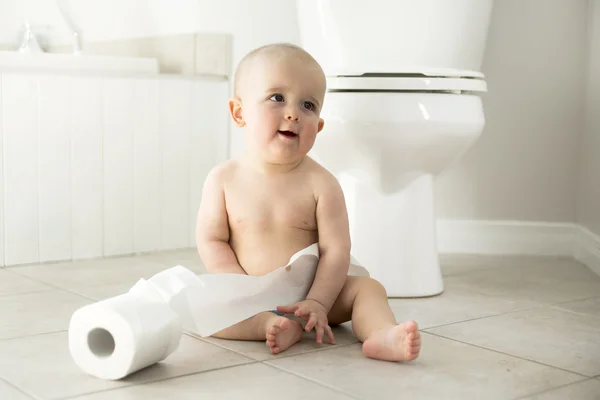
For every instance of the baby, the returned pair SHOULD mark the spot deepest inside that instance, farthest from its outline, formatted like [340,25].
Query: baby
[260,209]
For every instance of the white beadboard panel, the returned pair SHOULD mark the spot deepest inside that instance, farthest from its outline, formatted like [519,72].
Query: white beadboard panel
[146,165]
[175,97]
[20,150]
[1,183]
[210,122]
[86,167]
[118,165]
[54,167]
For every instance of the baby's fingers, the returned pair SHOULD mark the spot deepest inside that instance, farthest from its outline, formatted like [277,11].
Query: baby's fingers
[291,309]
[302,312]
[312,321]
[319,330]
[329,334]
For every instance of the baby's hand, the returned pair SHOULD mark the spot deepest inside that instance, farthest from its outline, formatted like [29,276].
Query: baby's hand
[313,312]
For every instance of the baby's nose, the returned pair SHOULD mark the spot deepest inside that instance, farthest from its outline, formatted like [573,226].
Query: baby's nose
[291,117]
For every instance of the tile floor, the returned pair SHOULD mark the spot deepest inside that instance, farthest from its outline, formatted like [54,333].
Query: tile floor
[505,328]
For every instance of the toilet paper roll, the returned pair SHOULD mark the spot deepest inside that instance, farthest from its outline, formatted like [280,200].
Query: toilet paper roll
[115,337]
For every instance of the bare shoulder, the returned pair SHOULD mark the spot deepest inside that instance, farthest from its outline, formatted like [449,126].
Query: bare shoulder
[221,173]
[324,183]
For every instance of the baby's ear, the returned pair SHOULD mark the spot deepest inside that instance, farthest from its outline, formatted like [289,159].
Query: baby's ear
[235,109]
[321,124]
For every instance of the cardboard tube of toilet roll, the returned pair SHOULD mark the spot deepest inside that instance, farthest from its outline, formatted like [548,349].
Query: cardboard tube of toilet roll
[116,337]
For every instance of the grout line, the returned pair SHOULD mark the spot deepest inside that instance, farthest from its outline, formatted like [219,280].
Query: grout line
[52,285]
[18,389]
[552,389]
[37,291]
[323,384]
[574,301]
[482,317]
[127,385]
[279,356]
[575,312]
[549,305]
[508,354]
[32,335]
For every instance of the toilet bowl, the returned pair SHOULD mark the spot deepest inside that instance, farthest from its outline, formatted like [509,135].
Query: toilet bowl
[402,104]
[385,144]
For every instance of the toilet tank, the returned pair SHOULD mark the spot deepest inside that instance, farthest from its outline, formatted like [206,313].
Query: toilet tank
[354,37]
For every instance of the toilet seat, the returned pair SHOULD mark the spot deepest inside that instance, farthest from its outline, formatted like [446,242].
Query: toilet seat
[405,84]
[418,81]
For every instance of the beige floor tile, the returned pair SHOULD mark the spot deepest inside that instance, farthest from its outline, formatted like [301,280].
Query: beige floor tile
[9,392]
[71,275]
[187,258]
[249,382]
[102,292]
[42,365]
[547,335]
[588,390]
[551,282]
[259,351]
[36,313]
[445,370]
[11,283]
[590,307]
[460,301]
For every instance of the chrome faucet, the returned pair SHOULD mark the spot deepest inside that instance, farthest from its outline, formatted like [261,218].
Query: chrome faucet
[29,41]
[75,33]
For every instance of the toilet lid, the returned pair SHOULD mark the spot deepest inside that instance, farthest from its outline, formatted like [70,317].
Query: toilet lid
[413,83]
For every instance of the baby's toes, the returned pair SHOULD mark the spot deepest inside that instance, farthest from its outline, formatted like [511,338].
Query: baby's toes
[273,330]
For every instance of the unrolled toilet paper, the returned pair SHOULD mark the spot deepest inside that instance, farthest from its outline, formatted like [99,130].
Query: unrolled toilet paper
[118,336]
[209,303]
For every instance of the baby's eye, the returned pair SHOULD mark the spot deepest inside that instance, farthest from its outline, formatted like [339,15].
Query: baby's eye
[277,97]
[308,105]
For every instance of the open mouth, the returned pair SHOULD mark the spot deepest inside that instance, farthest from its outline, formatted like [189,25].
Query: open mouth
[288,134]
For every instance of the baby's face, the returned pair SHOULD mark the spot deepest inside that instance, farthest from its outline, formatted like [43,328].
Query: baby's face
[281,105]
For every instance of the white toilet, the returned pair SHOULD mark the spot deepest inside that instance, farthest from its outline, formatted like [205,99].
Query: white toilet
[403,103]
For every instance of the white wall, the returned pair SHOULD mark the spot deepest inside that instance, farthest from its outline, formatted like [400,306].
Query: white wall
[589,183]
[99,20]
[251,24]
[525,165]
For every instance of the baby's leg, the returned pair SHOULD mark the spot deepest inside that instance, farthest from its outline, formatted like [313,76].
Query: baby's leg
[279,332]
[364,300]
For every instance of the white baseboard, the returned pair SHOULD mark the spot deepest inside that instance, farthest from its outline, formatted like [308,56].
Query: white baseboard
[519,238]
[506,237]
[588,249]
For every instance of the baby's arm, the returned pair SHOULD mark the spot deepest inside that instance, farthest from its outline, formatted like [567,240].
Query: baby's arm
[212,228]
[334,242]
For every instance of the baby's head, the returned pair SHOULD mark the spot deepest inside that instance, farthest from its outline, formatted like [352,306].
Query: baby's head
[278,96]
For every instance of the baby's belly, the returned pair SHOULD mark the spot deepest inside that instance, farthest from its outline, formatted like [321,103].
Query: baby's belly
[262,252]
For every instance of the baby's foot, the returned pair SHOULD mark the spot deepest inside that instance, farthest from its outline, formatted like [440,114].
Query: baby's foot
[398,343]
[282,334]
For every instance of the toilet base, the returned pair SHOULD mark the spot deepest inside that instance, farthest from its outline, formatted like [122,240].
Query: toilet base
[394,236]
